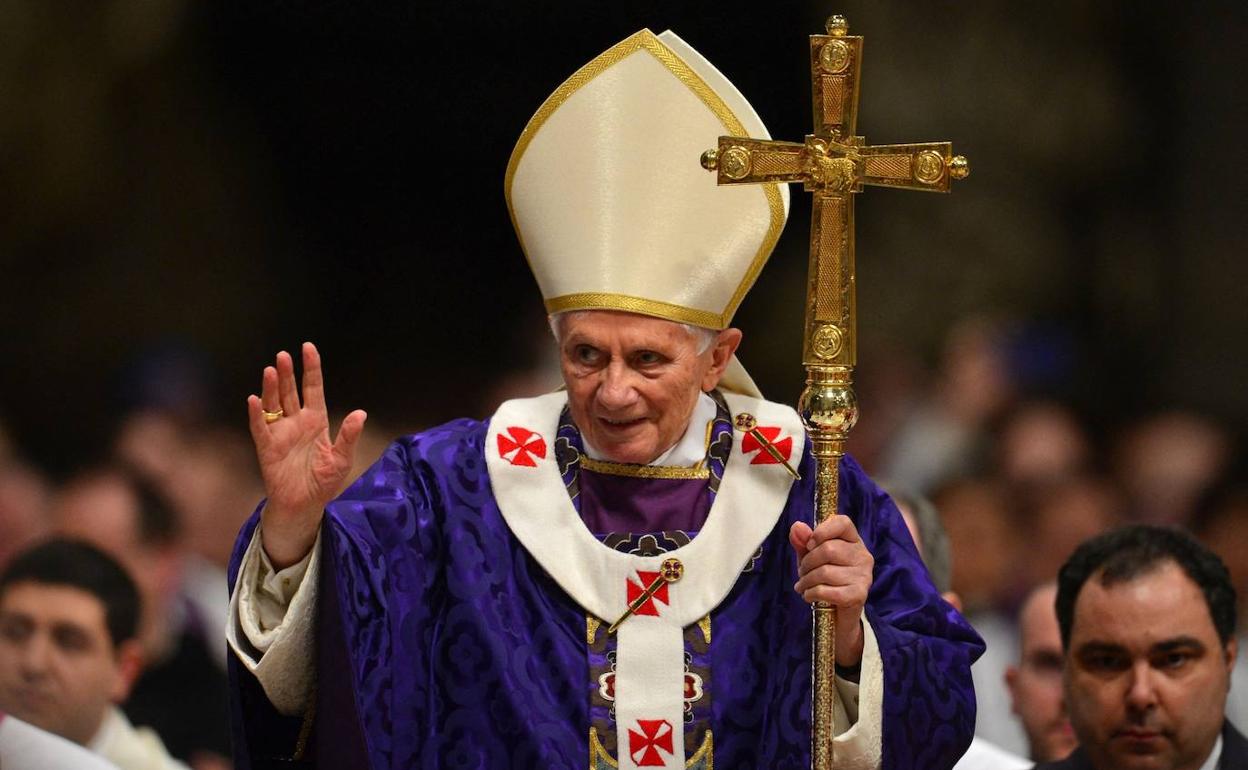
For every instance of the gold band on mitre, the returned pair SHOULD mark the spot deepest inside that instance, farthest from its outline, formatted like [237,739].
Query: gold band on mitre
[610,203]
[640,305]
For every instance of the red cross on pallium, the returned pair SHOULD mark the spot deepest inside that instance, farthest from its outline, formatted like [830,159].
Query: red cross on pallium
[751,444]
[655,735]
[648,607]
[520,445]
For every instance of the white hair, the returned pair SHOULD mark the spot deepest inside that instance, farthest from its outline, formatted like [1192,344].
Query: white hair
[704,337]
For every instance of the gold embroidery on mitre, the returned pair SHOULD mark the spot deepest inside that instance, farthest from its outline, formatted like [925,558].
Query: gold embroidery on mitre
[629,304]
[648,41]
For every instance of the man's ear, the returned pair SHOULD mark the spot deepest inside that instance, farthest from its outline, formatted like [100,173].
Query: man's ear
[129,666]
[725,344]
[1232,652]
[1011,681]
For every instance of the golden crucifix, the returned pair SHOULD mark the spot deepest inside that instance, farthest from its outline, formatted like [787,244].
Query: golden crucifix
[833,164]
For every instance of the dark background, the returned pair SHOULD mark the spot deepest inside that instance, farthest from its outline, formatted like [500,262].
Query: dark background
[186,187]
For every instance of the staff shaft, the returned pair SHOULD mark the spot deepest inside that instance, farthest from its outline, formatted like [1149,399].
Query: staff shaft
[829,410]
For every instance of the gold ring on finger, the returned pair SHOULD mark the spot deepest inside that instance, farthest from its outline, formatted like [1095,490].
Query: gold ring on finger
[272,417]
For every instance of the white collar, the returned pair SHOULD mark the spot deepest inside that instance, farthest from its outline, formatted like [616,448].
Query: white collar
[113,721]
[689,450]
[1215,756]
[532,498]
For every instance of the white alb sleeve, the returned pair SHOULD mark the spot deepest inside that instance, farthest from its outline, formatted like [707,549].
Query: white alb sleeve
[272,621]
[858,711]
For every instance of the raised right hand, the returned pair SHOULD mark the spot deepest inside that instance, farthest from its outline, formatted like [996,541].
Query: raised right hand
[301,467]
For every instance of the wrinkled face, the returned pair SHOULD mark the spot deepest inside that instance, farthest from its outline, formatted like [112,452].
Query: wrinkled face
[1036,682]
[633,380]
[59,669]
[1146,677]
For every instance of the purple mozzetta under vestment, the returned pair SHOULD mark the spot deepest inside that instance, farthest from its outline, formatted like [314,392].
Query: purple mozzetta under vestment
[442,644]
[641,505]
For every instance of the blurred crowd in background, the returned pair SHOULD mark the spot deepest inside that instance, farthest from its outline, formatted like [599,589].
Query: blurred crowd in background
[1020,481]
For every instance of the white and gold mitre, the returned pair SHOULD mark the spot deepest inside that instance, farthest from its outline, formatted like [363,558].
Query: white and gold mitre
[609,200]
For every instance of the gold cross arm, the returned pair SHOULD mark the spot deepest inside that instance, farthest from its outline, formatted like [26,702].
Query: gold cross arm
[824,165]
[833,159]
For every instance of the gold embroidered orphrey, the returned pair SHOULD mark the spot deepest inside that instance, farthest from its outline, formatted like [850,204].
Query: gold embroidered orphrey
[832,163]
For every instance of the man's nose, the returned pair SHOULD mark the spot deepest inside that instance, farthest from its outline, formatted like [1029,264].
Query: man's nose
[617,390]
[1142,689]
[34,657]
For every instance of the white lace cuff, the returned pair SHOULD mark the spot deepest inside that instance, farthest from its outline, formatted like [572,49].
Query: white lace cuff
[272,621]
[859,711]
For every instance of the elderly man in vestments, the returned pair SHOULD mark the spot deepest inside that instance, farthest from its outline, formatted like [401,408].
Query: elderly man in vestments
[614,575]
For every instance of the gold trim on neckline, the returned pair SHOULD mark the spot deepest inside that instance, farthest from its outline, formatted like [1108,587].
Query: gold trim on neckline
[643,471]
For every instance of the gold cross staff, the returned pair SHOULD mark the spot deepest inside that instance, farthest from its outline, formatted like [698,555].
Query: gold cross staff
[832,163]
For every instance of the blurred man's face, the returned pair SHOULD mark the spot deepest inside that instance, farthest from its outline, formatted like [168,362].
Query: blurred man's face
[59,669]
[1035,684]
[104,511]
[1146,676]
[633,381]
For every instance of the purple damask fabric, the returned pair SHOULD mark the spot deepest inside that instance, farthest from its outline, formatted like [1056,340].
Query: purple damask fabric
[449,647]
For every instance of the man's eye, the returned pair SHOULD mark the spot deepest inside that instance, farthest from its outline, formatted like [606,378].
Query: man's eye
[1172,660]
[648,358]
[1104,661]
[1046,663]
[585,354]
[71,639]
[14,631]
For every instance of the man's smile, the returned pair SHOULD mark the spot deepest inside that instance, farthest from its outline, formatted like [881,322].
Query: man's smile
[621,423]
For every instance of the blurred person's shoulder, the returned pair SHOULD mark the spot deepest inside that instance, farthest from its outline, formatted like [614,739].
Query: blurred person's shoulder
[983,755]
[131,747]
[25,747]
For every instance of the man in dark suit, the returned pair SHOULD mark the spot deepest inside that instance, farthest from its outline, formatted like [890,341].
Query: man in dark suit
[1147,617]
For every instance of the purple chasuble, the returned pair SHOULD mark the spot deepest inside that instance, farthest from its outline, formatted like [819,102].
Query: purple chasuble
[441,643]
